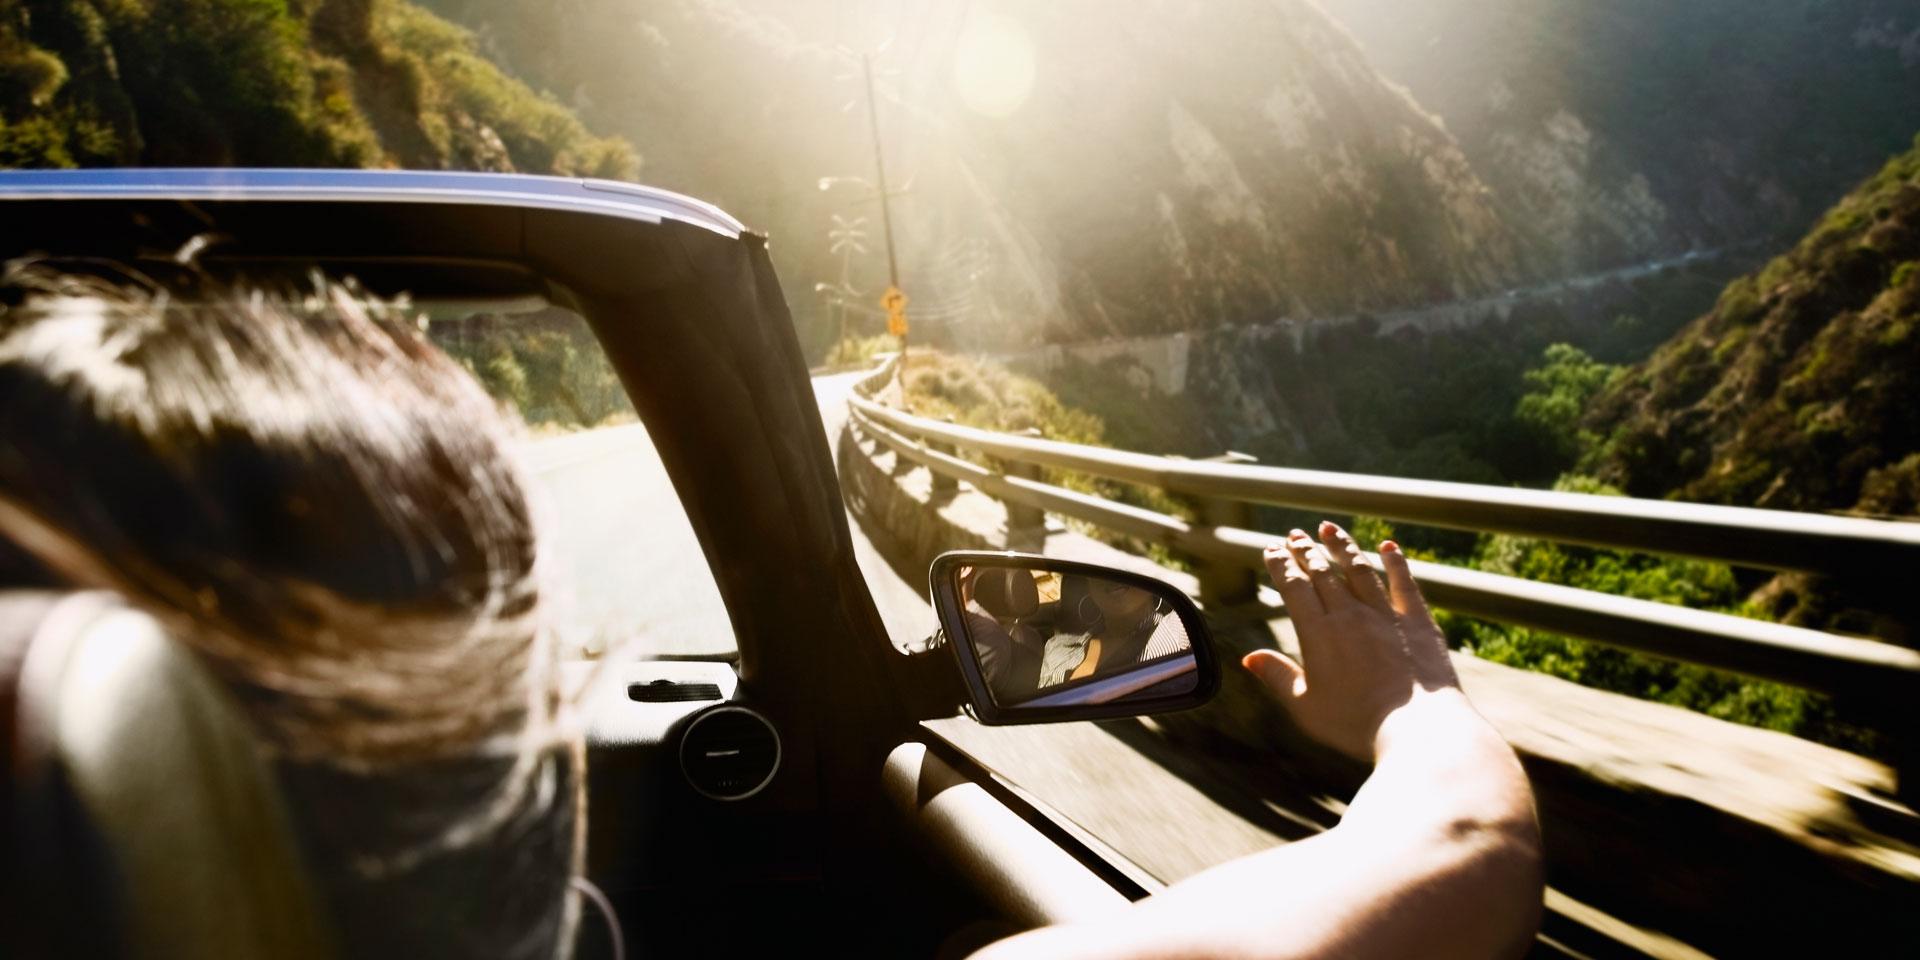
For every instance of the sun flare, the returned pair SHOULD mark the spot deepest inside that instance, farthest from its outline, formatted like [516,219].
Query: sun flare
[993,64]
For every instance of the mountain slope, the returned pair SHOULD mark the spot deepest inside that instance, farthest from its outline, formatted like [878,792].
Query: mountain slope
[1614,129]
[1258,167]
[265,83]
[1796,392]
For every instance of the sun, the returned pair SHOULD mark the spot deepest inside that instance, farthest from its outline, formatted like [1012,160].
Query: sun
[993,64]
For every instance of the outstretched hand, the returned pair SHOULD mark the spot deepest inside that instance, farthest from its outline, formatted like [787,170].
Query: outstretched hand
[1367,649]
[1437,855]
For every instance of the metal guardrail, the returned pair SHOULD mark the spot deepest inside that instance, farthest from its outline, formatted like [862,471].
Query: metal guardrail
[1768,539]
[1881,675]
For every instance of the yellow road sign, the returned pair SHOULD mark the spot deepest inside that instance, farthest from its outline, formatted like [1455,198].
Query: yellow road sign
[895,303]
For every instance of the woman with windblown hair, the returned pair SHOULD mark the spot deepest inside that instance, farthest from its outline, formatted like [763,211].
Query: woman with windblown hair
[289,696]
[298,702]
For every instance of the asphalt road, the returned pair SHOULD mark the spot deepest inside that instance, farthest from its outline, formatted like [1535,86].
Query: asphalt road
[626,569]
[632,580]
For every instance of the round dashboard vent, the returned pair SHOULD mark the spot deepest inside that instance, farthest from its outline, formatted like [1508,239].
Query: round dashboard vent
[729,753]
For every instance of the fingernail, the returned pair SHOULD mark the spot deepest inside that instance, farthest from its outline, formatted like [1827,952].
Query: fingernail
[1275,547]
[1296,532]
[1388,546]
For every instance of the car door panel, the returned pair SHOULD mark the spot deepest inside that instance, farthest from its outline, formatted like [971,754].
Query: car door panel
[1021,869]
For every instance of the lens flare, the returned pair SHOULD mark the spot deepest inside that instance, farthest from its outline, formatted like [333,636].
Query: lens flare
[993,65]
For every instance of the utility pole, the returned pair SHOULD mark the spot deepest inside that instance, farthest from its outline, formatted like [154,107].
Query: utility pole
[895,300]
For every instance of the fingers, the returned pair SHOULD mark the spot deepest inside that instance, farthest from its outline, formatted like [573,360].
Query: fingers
[1361,579]
[1406,598]
[1334,594]
[1278,673]
[1290,578]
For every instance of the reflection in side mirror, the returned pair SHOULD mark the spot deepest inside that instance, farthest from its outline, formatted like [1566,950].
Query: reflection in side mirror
[1043,640]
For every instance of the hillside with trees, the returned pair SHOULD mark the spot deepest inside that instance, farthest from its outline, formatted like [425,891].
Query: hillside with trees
[1796,391]
[316,83]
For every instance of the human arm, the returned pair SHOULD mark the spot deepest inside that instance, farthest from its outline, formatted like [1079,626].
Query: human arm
[1439,853]
[992,645]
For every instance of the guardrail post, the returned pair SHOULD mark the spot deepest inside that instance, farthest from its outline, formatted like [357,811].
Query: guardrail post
[943,485]
[1020,517]
[1224,583]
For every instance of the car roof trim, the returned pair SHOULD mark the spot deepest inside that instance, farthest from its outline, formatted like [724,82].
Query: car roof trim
[630,201]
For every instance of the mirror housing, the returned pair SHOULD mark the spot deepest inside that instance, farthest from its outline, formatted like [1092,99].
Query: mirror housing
[1044,640]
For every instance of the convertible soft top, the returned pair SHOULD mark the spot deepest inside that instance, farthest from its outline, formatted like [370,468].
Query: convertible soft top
[604,197]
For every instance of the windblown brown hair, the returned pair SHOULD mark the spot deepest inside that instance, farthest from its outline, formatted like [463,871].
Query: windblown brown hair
[326,509]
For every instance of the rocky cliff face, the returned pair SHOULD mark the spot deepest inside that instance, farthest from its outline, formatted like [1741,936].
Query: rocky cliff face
[1616,130]
[1257,168]
[1073,171]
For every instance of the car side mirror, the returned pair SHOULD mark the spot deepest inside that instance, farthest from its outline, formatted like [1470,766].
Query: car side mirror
[1043,640]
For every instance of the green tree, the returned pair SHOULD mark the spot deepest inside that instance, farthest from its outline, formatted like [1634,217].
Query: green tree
[1558,393]
[1695,584]
[503,376]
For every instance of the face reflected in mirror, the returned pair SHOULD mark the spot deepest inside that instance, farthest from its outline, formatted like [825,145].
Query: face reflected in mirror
[1043,638]
[1118,601]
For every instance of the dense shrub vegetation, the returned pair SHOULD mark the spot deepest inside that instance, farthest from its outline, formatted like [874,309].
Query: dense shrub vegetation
[982,394]
[1796,392]
[1799,384]
[857,351]
[324,83]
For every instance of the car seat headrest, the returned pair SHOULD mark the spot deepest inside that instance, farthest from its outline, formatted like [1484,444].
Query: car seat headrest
[1006,592]
[135,754]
